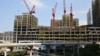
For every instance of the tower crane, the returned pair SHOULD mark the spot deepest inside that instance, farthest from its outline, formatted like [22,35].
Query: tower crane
[71,16]
[64,11]
[64,7]
[31,11]
[53,15]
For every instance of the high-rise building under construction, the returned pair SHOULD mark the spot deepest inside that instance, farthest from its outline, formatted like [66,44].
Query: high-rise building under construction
[24,25]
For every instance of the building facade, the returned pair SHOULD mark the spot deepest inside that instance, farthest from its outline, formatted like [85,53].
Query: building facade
[66,20]
[84,34]
[1,36]
[96,12]
[7,36]
[75,22]
[59,23]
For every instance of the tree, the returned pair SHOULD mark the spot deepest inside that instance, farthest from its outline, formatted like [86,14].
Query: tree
[90,50]
[12,54]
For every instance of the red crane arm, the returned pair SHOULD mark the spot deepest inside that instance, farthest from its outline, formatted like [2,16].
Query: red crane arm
[26,5]
[55,7]
[32,10]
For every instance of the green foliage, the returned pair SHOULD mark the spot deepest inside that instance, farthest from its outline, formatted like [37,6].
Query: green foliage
[0,41]
[12,54]
[16,54]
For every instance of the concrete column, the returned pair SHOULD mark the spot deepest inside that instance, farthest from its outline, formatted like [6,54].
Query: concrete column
[5,53]
[30,52]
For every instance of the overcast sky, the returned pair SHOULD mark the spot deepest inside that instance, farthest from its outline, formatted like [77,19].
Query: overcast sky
[10,8]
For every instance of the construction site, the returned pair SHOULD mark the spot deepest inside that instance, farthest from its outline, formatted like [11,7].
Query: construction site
[26,27]
[63,37]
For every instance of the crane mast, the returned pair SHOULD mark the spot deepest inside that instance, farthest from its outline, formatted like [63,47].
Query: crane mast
[71,16]
[64,4]
[53,14]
